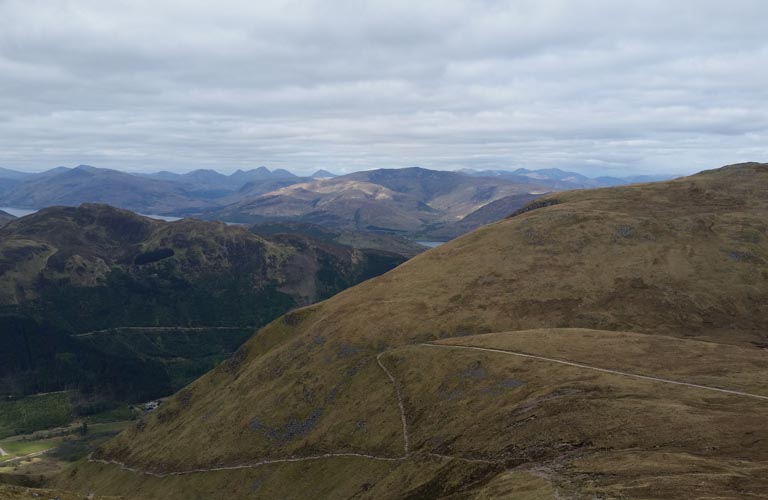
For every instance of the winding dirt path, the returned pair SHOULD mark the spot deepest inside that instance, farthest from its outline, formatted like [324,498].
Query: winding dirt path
[407,453]
[243,466]
[406,439]
[25,457]
[406,446]
[603,370]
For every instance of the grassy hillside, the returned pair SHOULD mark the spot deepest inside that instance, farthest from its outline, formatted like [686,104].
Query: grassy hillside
[8,492]
[631,322]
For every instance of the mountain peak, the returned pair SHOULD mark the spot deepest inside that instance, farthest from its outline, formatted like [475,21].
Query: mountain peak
[324,174]
[280,172]
[87,167]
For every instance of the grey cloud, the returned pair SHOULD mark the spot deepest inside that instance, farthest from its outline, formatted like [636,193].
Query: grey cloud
[603,87]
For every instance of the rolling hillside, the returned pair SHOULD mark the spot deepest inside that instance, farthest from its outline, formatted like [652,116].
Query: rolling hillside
[597,344]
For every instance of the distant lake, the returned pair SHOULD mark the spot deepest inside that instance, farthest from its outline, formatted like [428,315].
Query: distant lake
[21,212]
[430,244]
[18,212]
[166,218]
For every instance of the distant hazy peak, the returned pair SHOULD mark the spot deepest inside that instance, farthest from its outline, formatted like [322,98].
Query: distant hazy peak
[324,174]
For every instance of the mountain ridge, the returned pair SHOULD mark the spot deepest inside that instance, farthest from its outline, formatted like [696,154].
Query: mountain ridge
[5,217]
[408,201]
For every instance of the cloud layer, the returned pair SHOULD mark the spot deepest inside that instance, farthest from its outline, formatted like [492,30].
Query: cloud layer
[602,87]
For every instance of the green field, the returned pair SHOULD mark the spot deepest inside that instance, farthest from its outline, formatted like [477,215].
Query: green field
[119,414]
[67,445]
[21,448]
[33,413]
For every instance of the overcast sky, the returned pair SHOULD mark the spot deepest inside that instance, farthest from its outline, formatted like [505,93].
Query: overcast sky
[601,87]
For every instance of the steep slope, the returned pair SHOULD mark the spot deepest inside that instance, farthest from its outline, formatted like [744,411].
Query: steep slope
[492,212]
[5,218]
[624,359]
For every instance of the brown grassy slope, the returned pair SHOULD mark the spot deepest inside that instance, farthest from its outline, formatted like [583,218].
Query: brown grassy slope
[8,492]
[332,478]
[583,432]
[565,420]
[705,363]
[685,258]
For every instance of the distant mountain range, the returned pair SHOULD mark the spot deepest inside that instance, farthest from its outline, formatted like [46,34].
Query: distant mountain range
[561,180]
[414,202]
[161,193]
[411,201]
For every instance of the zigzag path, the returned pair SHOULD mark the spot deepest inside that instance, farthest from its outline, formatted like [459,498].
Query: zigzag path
[407,452]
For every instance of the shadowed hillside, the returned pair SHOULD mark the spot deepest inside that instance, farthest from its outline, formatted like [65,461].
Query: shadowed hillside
[5,218]
[355,239]
[65,271]
[597,344]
